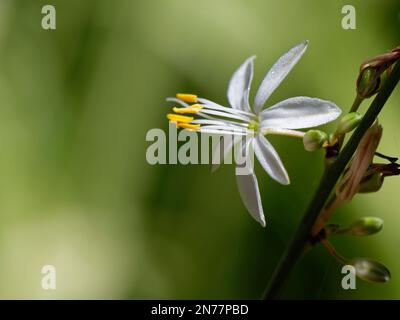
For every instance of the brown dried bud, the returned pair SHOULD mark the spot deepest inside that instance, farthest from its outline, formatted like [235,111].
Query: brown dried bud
[350,183]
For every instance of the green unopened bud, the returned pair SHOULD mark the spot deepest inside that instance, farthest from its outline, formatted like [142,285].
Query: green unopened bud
[364,227]
[373,183]
[314,139]
[349,122]
[384,76]
[369,270]
[368,82]
[374,71]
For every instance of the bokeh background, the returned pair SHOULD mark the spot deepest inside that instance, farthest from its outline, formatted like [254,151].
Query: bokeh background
[76,191]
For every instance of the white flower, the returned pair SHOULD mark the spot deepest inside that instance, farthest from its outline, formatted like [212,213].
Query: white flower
[256,123]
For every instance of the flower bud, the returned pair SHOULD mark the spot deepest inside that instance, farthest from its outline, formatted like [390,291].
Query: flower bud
[368,81]
[314,139]
[369,270]
[374,71]
[384,77]
[364,227]
[349,122]
[362,160]
[372,183]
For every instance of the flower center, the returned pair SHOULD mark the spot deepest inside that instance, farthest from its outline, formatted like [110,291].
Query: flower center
[254,125]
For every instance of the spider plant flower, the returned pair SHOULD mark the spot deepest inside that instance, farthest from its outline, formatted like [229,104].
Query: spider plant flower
[255,122]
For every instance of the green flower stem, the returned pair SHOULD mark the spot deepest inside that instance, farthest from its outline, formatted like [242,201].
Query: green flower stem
[331,206]
[356,103]
[330,177]
[284,132]
[332,251]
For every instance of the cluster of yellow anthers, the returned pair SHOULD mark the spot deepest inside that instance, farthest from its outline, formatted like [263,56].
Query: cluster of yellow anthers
[184,122]
[210,117]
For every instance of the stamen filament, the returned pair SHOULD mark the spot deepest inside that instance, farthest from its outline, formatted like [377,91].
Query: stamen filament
[224,127]
[212,105]
[226,115]
[215,131]
[173,99]
[221,122]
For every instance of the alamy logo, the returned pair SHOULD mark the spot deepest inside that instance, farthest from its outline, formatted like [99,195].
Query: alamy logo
[199,149]
[349,20]
[49,20]
[349,280]
[49,278]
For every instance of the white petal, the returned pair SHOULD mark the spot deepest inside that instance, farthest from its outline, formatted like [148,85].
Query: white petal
[270,160]
[277,73]
[298,113]
[239,86]
[250,194]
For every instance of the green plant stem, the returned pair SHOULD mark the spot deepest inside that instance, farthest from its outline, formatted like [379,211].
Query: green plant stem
[356,103]
[332,251]
[331,175]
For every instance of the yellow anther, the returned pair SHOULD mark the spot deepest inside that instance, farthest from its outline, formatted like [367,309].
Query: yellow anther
[190,98]
[190,109]
[188,126]
[178,118]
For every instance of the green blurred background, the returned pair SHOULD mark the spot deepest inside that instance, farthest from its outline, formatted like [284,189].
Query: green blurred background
[76,190]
